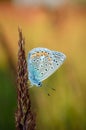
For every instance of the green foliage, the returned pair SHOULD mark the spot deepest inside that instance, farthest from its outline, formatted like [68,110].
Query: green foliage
[7,100]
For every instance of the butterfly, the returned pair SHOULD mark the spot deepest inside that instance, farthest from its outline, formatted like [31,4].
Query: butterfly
[42,63]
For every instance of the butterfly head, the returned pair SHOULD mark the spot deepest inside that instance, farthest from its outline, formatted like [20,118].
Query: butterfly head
[39,84]
[35,82]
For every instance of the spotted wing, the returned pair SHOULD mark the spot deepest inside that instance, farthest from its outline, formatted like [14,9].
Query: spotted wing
[38,63]
[43,63]
[55,60]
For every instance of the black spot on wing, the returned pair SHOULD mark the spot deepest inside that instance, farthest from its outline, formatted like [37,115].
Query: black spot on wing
[52,67]
[46,69]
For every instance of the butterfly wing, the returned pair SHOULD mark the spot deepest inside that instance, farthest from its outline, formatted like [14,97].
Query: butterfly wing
[42,63]
[37,64]
[56,60]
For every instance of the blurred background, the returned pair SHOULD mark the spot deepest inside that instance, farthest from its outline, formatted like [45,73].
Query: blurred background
[58,25]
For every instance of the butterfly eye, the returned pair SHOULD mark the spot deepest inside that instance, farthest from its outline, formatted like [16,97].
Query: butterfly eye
[39,84]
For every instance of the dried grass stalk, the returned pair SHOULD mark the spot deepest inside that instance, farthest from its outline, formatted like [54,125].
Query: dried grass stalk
[25,119]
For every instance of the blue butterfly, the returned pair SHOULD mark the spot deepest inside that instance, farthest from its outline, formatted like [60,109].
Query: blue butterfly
[42,63]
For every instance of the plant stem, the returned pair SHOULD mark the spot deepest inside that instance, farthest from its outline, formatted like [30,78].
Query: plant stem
[25,118]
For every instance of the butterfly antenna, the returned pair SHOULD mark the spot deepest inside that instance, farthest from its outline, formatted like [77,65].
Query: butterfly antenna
[49,94]
[53,89]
